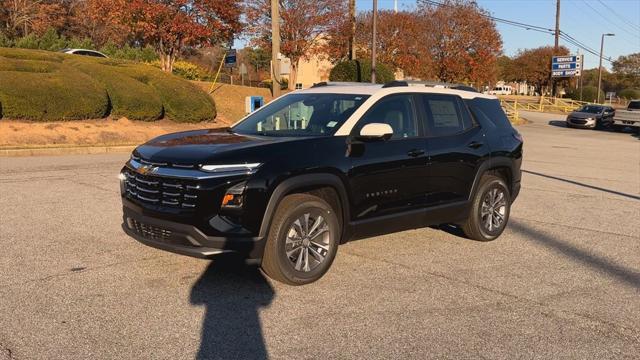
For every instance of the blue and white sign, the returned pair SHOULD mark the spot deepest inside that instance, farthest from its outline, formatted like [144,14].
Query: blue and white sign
[230,59]
[566,66]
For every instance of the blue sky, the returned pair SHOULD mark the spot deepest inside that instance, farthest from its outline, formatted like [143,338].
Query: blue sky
[584,20]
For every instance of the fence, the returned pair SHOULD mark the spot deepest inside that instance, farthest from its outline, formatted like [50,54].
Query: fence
[512,104]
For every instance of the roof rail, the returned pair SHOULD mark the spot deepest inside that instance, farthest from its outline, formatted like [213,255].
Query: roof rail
[395,83]
[320,84]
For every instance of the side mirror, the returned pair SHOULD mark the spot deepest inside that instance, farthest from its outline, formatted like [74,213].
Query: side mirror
[376,131]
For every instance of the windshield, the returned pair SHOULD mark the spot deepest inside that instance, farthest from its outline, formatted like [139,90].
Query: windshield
[591,109]
[634,105]
[301,115]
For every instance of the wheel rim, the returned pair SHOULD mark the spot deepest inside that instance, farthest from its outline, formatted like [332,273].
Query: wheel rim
[494,209]
[307,242]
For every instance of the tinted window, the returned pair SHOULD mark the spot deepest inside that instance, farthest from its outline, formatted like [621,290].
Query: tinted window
[301,115]
[634,105]
[489,112]
[444,115]
[395,110]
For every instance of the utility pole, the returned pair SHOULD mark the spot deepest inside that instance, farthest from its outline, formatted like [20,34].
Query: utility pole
[373,42]
[352,36]
[275,49]
[600,66]
[556,44]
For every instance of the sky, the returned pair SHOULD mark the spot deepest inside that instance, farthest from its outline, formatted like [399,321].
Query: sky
[584,20]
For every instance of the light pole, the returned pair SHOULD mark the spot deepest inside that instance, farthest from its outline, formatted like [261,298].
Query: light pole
[275,49]
[600,67]
[373,42]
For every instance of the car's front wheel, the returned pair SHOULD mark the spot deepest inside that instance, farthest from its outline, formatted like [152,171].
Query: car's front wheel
[490,210]
[303,240]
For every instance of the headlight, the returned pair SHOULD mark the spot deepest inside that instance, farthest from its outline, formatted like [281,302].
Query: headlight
[247,168]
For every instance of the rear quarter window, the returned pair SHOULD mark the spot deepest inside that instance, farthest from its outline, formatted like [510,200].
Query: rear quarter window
[489,111]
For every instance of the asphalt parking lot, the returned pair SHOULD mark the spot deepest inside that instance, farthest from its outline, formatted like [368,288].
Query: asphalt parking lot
[563,281]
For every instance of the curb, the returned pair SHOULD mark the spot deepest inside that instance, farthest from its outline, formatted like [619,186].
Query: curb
[77,150]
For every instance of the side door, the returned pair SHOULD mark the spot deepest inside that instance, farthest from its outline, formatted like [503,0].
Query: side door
[456,146]
[389,176]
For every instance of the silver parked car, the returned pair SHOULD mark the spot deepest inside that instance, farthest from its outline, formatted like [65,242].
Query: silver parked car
[84,52]
[591,117]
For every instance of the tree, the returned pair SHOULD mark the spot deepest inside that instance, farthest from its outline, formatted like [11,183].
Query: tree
[463,42]
[400,41]
[304,26]
[534,65]
[628,65]
[259,58]
[22,17]
[172,25]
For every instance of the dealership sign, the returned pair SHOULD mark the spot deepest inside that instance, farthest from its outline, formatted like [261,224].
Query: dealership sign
[566,66]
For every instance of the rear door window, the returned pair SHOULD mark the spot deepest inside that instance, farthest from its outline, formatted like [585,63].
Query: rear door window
[444,115]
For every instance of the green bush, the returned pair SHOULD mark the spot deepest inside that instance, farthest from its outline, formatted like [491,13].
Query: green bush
[129,97]
[41,85]
[589,94]
[50,96]
[630,94]
[145,54]
[360,71]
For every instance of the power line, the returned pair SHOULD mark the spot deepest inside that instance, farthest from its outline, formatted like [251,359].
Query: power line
[566,37]
[609,20]
[615,13]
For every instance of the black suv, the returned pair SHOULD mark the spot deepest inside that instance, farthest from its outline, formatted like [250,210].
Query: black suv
[318,167]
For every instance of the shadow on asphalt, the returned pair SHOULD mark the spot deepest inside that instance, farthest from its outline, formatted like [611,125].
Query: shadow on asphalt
[558,123]
[583,184]
[232,293]
[622,273]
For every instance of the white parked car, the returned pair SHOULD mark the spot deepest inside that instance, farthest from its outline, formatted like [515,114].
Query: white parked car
[84,52]
[501,90]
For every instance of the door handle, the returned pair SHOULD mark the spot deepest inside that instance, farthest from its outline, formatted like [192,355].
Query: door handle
[415,152]
[475,144]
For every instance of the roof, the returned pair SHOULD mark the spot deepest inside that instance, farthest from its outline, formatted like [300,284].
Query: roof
[391,88]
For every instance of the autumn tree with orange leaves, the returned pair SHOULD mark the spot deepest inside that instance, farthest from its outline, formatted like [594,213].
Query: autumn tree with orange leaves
[400,41]
[171,25]
[304,27]
[462,41]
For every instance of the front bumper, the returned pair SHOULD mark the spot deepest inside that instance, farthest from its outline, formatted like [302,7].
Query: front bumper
[184,239]
[582,123]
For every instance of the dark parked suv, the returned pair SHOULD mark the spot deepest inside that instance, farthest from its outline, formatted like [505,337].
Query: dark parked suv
[318,167]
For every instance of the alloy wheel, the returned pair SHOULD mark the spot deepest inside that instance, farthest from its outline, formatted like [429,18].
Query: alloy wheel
[307,242]
[494,209]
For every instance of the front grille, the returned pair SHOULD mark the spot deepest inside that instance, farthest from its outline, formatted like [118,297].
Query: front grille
[578,121]
[149,232]
[161,191]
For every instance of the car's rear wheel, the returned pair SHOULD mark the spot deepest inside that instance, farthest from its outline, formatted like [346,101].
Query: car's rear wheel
[302,241]
[490,210]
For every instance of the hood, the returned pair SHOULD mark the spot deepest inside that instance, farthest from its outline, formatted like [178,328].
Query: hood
[583,115]
[198,146]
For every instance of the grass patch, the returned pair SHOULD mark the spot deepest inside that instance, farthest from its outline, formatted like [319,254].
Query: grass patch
[44,86]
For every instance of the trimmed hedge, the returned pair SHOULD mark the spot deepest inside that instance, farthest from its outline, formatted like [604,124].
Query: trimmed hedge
[44,86]
[360,71]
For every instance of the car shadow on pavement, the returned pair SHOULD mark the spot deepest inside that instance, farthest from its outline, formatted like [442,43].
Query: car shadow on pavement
[558,123]
[582,184]
[232,293]
[622,273]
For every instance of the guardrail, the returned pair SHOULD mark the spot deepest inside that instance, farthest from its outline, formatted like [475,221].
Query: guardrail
[512,104]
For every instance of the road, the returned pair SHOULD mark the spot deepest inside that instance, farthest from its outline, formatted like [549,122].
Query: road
[562,282]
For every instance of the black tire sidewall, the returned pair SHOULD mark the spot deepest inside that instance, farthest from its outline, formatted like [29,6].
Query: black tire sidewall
[286,267]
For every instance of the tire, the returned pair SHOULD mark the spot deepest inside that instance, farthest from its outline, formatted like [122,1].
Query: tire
[288,234]
[477,227]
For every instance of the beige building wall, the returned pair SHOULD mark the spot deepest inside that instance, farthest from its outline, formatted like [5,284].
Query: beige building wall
[313,71]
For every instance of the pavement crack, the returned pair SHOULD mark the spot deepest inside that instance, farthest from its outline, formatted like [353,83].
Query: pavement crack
[5,352]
